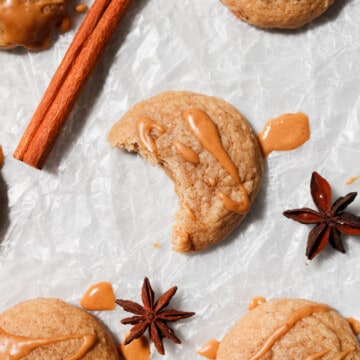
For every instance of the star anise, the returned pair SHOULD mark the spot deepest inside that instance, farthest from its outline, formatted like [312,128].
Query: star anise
[331,220]
[152,316]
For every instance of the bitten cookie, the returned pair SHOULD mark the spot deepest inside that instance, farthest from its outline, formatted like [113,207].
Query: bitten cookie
[209,151]
[30,23]
[53,330]
[284,14]
[286,329]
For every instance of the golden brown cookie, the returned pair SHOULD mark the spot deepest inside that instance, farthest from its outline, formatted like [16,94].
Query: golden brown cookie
[30,23]
[285,329]
[283,14]
[209,151]
[50,329]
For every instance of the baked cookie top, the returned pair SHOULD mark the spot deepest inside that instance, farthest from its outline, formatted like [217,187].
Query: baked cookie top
[30,23]
[209,151]
[53,330]
[285,14]
[284,329]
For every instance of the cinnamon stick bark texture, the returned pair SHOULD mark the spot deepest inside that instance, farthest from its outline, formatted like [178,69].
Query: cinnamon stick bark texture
[69,80]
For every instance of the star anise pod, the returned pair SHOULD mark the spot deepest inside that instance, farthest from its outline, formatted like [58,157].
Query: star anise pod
[331,220]
[152,316]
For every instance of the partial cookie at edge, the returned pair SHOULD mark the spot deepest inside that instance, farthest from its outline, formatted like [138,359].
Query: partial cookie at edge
[49,318]
[283,14]
[321,330]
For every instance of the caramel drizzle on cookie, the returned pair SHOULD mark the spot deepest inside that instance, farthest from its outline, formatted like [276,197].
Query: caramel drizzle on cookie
[144,127]
[345,353]
[317,356]
[355,325]
[14,347]
[38,16]
[291,321]
[207,134]
[186,153]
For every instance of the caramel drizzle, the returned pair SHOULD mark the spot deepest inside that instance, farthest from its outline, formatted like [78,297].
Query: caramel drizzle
[256,301]
[232,205]
[317,356]
[355,325]
[345,353]
[296,316]
[144,126]
[209,349]
[186,153]
[207,134]
[14,347]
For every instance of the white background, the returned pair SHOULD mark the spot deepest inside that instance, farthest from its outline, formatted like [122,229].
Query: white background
[94,212]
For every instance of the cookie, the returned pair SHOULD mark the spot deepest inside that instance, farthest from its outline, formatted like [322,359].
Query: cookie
[284,329]
[53,330]
[30,23]
[209,151]
[283,14]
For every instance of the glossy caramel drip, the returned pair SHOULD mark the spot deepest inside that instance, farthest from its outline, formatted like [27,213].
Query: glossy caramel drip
[287,132]
[144,126]
[14,347]
[355,325]
[206,132]
[138,349]
[317,356]
[209,349]
[99,296]
[30,22]
[186,153]
[296,316]
[256,301]
[240,207]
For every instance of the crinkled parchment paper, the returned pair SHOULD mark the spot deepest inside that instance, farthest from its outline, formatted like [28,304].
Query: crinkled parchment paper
[94,212]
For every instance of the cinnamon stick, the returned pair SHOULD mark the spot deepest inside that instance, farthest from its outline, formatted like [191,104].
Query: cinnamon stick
[69,80]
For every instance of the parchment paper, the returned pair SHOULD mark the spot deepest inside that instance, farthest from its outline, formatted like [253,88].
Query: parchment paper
[94,212]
